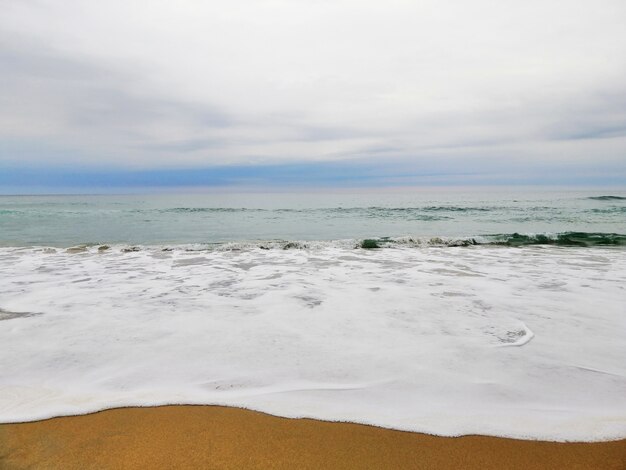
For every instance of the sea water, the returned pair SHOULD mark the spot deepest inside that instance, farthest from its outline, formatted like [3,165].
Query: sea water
[445,312]
[218,218]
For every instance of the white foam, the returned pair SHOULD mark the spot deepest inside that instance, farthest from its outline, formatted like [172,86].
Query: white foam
[406,338]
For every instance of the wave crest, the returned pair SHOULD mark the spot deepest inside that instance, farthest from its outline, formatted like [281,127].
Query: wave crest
[607,198]
[564,239]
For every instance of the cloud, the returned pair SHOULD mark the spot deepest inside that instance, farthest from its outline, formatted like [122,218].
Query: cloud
[47,96]
[477,86]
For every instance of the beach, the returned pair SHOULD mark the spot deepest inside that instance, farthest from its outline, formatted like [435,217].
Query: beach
[470,324]
[213,437]
[312,235]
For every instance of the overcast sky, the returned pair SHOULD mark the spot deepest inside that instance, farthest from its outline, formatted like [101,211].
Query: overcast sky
[490,91]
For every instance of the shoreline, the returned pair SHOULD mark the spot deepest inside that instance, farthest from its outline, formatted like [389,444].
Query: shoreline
[207,436]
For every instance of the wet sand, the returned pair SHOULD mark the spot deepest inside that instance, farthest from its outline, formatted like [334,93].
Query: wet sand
[212,437]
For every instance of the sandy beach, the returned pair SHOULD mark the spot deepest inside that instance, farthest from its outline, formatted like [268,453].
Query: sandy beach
[213,437]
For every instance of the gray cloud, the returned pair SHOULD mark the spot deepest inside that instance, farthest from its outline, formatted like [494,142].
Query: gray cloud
[474,84]
[47,95]
[592,116]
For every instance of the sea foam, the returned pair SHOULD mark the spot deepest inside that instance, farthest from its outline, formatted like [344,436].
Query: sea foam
[519,342]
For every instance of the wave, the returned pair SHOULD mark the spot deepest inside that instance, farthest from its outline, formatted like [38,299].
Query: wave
[458,209]
[610,210]
[415,213]
[416,339]
[581,239]
[204,209]
[607,198]
[564,239]
[585,239]
[358,210]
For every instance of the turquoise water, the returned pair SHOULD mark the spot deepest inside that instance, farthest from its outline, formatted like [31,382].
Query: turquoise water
[194,299]
[65,221]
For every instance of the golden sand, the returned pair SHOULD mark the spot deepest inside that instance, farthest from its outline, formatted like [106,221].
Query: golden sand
[212,437]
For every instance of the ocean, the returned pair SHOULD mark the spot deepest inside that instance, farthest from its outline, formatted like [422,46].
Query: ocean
[63,221]
[448,312]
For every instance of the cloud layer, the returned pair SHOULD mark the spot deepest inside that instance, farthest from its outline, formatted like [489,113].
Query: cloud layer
[480,86]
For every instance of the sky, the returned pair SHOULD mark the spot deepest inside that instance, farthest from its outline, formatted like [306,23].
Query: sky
[347,93]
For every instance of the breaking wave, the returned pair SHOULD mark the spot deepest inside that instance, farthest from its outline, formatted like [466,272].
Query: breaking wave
[582,239]
[565,239]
